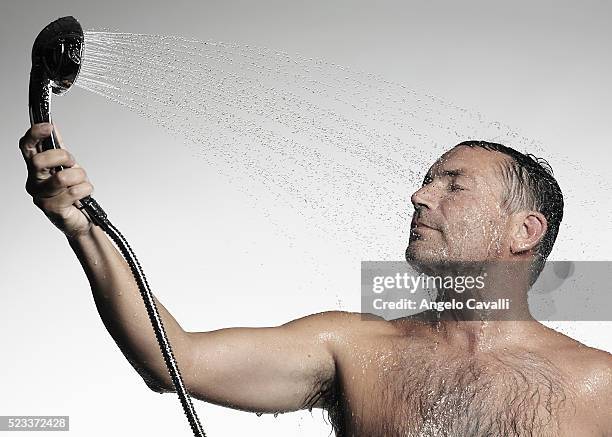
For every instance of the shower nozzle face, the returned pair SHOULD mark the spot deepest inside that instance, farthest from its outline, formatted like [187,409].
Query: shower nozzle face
[57,53]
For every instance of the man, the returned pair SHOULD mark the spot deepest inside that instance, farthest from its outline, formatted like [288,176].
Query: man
[414,376]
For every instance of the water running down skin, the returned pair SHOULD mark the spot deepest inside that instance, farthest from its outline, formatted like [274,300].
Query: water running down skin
[457,376]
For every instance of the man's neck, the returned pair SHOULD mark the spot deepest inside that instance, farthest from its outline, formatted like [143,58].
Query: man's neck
[498,292]
[497,313]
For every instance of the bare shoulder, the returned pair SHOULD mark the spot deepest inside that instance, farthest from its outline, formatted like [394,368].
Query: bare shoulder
[590,371]
[580,359]
[343,326]
[593,370]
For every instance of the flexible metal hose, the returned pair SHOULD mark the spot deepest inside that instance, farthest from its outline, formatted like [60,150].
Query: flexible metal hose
[98,216]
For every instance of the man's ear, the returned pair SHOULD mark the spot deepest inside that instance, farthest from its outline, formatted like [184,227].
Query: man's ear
[529,229]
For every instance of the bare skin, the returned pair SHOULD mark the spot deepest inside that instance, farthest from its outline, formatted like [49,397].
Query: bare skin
[460,376]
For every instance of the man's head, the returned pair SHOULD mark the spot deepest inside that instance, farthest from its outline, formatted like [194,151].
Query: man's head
[483,201]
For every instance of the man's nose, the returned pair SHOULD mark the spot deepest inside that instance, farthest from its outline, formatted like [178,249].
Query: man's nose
[423,197]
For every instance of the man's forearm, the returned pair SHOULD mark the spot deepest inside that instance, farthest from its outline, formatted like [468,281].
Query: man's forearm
[121,308]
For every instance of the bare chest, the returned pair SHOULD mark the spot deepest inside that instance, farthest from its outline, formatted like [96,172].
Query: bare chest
[422,393]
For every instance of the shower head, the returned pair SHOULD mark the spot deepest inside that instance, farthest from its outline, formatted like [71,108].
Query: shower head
[56,62]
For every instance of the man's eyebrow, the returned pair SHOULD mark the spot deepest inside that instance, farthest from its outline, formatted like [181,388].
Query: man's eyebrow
[455,172]
[451,173]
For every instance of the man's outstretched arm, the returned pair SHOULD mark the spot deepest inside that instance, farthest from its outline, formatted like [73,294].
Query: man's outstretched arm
[256,369]
[277,369]
[284,368]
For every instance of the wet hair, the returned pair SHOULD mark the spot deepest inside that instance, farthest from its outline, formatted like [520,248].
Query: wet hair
[530,185]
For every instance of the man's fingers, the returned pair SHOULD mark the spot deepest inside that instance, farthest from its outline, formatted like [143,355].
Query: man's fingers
[28,143]
[57,183]
[65,198]
[41,163]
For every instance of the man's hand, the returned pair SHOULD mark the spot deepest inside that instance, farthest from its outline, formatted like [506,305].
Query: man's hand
[55,192]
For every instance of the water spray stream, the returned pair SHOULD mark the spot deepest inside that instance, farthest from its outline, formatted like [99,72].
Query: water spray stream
[337,147]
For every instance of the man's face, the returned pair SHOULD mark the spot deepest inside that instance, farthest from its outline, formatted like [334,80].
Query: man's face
[458,214]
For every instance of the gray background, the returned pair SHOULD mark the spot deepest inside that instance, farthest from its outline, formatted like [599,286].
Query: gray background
[213,258]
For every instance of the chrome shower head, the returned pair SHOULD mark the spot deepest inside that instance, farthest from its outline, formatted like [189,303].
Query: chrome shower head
[56,61]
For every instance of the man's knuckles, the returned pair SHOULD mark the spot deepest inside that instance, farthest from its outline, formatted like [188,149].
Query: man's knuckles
[68,177]
[40,131]
[77,192]
[52,158]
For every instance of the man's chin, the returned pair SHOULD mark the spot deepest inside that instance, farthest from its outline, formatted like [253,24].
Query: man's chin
[422,259]
[428,260]
[433,261]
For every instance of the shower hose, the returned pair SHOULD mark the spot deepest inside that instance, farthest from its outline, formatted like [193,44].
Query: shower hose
[98,216]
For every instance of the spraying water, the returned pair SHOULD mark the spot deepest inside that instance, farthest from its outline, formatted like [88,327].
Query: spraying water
[340,148]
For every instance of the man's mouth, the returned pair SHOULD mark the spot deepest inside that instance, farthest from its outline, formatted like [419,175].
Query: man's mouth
[421,225]
[419,231]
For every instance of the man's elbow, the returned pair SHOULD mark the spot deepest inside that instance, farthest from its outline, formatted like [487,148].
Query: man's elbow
[157,386]
[155,383]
